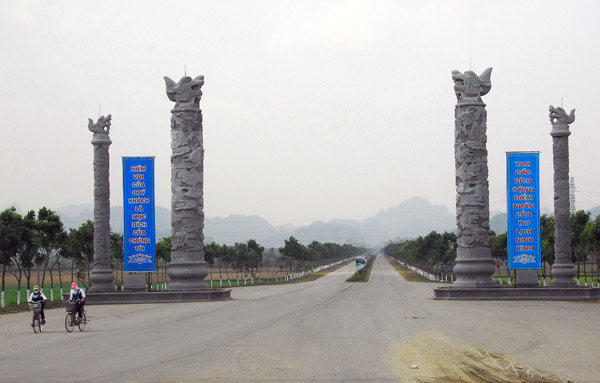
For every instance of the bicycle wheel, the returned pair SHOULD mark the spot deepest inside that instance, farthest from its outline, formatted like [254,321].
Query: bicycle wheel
[82,322]
[36,323]
[69,322]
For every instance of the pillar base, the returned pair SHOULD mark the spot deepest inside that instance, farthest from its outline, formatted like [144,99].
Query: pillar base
[562,275]
[474,268]
[102,281]
[187,276]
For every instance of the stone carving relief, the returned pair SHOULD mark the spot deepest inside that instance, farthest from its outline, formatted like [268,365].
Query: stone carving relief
[187,161]
[186,93]
[559,119]
[470,87]
[472,194]
[102,275]
[101,127]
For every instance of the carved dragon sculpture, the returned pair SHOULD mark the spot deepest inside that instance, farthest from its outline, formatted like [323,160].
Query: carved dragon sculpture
[470,87]
[102,126]
[558,116]
[186,93]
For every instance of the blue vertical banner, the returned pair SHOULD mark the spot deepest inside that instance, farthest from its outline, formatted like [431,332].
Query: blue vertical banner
[139,238]
[523,196]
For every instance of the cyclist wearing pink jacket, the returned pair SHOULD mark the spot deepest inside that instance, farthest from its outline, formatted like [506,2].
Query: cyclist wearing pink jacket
[77,295]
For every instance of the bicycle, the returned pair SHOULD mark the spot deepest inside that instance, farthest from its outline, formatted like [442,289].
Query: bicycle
[36,321]
[71,319]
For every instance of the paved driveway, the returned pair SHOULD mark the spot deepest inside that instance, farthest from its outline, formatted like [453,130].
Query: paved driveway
[386,330]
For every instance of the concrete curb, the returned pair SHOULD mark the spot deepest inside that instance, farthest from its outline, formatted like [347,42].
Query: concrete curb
[518,294]
[156,297]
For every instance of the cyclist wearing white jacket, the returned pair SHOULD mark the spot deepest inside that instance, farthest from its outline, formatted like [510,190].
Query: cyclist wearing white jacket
[38,296]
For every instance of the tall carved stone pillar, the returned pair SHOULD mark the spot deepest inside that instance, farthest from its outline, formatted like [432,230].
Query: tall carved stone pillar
[102,276]
[188,267]
[474,264]
[562,270]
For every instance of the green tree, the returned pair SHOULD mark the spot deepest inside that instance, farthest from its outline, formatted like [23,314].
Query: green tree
[163,256]
[294,252]
[163,249]
[51,236]
[10,240]
[591,240]
[499,249]
[579,220]
[240,258]
[24,257]
[211,254]
[117,254]
[30,253]
[315,251]
[82,242]
[255,256]
[219,254]
[547,241]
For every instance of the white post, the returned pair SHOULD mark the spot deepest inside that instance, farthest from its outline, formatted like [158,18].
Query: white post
[51,295]
[122,287]
[18,297]
[2,300]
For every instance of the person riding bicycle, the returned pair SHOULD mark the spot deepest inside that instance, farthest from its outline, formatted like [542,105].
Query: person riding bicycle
[78,295]
[38,296]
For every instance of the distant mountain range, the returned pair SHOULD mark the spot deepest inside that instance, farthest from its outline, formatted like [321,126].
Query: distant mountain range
[411,218]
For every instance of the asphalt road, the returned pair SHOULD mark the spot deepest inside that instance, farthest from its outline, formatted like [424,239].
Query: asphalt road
[323,331]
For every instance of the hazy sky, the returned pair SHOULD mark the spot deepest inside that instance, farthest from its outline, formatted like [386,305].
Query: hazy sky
[313,110]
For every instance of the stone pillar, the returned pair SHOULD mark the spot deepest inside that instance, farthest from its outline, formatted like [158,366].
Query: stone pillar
[102,276]
[474,264]
[187,269]
[562,270]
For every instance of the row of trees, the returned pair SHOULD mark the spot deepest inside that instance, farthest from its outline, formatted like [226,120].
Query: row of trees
[247,258]
[39,241]
[429,252]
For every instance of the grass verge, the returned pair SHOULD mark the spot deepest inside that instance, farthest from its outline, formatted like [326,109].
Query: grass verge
[406,273]
[362,277]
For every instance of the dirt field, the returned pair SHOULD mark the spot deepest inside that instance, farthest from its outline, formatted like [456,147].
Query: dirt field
[429,357]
